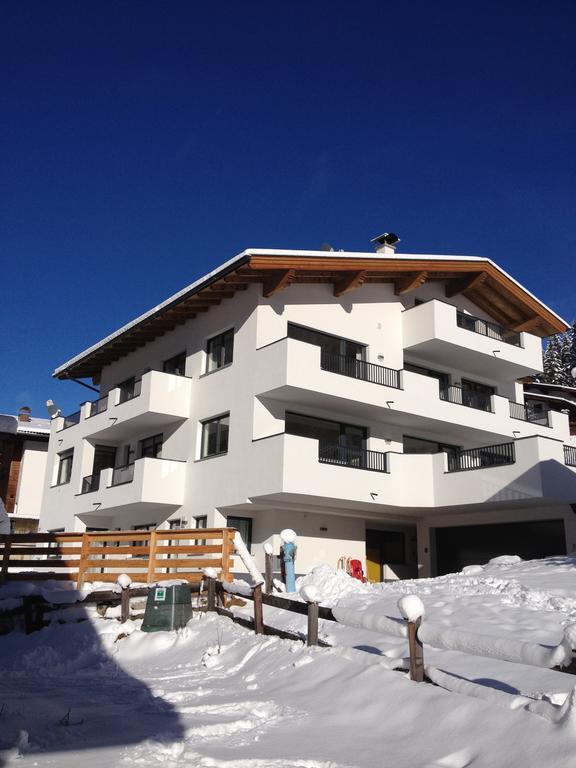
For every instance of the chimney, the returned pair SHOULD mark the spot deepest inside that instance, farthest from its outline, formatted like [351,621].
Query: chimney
[24,413]
[386,243]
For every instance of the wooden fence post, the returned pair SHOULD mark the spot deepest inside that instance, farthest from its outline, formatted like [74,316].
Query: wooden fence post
[211,589]
[84,558]
[312,636]
[258,610]
[416,652]
[5,559]
[152,557]
[268,574]
[124,605]
[227,547]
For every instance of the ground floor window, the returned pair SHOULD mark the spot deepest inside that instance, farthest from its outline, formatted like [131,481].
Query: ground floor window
[244,527]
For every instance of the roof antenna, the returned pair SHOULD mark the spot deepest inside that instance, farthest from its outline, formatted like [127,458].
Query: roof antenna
[386,242]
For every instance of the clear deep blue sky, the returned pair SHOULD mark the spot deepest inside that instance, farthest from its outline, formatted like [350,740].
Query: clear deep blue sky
[143,143]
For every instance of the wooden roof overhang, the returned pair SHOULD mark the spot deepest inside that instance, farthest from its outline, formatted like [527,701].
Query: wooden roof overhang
[488,287]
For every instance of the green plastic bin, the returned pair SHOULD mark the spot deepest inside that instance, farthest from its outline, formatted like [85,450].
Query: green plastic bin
[167,608]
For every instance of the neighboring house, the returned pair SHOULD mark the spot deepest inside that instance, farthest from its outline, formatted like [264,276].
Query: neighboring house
[23,454]
[368,400]
[552,397]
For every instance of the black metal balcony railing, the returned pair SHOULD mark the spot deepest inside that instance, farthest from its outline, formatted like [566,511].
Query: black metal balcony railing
[71,420]
[123,475]
[480,458]
[356,458]
[129,392]
[90,483]
[486,328]
[570,455]
[360,369]
[455,393]
[98,406]
[525,413]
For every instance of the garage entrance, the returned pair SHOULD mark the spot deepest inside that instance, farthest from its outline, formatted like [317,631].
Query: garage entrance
[476,544]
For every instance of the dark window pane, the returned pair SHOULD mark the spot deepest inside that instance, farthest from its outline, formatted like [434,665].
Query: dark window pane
[333,345]
[151,447]
[244,527]
[219,350]
[215,436]
[175,365]
[65,467]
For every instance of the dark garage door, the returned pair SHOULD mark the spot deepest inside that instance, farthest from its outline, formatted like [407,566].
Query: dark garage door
[476,544]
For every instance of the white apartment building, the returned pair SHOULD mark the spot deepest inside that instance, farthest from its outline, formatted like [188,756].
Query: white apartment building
[370,401]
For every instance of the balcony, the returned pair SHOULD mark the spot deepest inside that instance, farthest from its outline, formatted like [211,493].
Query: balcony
[480,458]
[524,412]
[438,332]
[145,405]
[291,371]
[570,455]
[456,393]
[355,458]
[143,486]
[288,469]
[360,369]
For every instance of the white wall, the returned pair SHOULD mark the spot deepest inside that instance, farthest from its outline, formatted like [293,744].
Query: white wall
[31,480]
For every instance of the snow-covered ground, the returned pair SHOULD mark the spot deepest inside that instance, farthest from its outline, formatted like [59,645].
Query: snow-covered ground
[214,695]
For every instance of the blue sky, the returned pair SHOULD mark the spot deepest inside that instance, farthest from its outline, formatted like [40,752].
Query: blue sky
[143,143]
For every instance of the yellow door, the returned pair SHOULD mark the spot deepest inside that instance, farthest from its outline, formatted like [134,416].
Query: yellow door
[373,564]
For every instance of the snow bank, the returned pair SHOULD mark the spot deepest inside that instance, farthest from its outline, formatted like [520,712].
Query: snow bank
[332,584]
[505,560]
[384,625]
[238,587]
[504,648]
[310,593]
[124,581]
[211,573]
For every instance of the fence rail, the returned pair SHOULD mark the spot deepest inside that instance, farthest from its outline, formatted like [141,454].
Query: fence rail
[146,556]
[98,406]
[356,458]
[455,393]
[480,458]
[570,455]
[360,369]
[486,328]
[71,420]
[525,413]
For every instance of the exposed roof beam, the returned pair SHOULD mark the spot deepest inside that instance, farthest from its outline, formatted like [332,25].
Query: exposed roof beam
[278,280]
[409,283]
[349,282]
[527,325]
[463,284]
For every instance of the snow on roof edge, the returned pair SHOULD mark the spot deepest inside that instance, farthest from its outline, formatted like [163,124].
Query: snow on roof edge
[283,252]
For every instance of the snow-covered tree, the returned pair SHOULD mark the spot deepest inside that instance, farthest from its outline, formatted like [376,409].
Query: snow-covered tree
[560,358]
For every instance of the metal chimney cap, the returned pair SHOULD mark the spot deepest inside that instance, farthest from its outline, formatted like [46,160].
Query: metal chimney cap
[387,238]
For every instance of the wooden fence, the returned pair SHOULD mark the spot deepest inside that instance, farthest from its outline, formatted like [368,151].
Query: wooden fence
[146,556]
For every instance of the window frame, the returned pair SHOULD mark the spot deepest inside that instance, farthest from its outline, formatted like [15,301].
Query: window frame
[249,521]
[222,363]
[203,424]
[155,442]
[180,355]
[62,458]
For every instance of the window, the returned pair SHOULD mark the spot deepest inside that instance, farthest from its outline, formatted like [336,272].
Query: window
[129,389]
[150,447]
[176,525]
[146,542]
[201,522]
[175,365]
[422,445]
[65,467]
[333,345]
[244,527]
[125,456]
[215,436]
[219,350]
[328,433]
[55,545]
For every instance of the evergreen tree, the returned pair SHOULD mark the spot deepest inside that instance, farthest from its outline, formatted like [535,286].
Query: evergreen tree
[560,359]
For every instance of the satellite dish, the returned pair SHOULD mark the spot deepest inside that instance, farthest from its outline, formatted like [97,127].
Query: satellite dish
[53,410]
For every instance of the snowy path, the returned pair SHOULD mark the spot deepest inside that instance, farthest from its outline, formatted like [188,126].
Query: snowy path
[174,701]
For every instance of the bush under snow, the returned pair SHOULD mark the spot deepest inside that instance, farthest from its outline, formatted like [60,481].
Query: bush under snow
[331,584]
